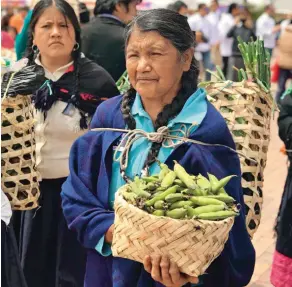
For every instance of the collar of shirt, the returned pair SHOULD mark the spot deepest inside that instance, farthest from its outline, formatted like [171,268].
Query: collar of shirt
[193,111]
[55,76]
[105,15]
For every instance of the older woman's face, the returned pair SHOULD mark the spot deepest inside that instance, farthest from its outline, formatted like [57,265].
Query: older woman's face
[154,65]
[54,34]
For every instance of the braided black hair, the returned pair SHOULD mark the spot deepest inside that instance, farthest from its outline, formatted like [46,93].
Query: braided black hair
[66,9]
[176,29]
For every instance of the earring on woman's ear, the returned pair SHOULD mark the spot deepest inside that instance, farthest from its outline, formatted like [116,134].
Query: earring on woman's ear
[76,47]
[35,49]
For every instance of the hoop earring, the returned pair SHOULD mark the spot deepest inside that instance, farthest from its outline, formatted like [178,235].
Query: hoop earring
[35,48]
[76,47]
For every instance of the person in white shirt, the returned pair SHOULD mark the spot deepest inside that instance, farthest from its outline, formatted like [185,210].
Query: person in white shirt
[214,18]
[267,29]
[226,23]
[203,29]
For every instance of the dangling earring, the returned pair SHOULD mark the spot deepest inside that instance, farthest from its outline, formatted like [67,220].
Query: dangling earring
[35,49]
[76,47]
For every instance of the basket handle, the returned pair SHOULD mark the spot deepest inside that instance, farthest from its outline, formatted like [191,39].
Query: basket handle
[8,86]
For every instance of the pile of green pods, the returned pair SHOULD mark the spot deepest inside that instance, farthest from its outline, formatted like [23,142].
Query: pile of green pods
[179,195]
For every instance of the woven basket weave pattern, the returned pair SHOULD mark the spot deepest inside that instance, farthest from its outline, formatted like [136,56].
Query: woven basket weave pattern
[192,244]
[19,178]
[251,137]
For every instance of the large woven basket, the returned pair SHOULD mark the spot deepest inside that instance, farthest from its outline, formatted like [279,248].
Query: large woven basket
[19,178]
[248,117]
[192,244]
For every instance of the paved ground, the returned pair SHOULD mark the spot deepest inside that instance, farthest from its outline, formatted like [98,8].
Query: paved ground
[264,241]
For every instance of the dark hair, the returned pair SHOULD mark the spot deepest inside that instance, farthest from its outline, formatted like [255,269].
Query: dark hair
[177,5]
[108,6]
[176,29]
[232,7]
[267,7]
[66,9]
[201,6]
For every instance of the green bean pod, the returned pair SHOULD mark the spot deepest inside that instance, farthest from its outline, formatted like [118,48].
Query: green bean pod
[217,215]
[204,200]
[161,196]
[140,192]
[158,212]
[129,196]
[222,197]
[203,183]
[192,212]
[178,213]
[168,179]
[164,171]
[150,179]
[184,176]
[151,186]
[221,183]
[179,182]
[181,204]
[171,198]
[160,204]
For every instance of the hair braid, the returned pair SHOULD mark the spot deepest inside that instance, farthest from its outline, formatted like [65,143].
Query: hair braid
[127,102]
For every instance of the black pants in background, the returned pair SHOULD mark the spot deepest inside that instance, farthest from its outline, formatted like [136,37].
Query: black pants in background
[51,256]
[225,65]
[11,272]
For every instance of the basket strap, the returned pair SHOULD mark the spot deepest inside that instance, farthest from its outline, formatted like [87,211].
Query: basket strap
[161,136]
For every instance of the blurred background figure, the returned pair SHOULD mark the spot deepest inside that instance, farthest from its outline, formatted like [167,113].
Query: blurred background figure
[243,28]
[103,37]
[284,60]
[84,13]
[179,7]
[281,275]
[17,19]
[6,18]
[214,17]
[8,37]
[267,29]
[286,22]
[227,21]
[204,36]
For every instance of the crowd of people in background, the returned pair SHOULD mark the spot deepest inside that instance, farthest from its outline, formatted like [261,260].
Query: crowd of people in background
[216,31]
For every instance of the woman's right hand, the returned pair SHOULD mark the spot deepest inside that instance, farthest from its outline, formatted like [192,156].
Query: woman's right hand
[166,272]
[109,234]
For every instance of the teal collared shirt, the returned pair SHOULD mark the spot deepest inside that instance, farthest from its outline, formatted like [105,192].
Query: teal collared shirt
[188,120]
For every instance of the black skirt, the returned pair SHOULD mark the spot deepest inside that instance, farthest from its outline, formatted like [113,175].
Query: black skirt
[50,254]
[11,272]
[284,220]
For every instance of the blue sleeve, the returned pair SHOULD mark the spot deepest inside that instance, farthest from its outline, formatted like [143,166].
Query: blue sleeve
[22,37]
[83,210]
[103,248]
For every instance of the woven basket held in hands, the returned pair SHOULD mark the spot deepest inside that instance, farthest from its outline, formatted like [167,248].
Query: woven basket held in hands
[192,244]
[19,178]
[247,110]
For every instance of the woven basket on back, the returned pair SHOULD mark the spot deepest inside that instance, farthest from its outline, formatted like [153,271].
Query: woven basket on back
[19,179]
[192,244]
[247,110]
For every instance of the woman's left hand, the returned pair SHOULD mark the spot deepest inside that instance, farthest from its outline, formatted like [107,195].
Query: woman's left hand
[166,272]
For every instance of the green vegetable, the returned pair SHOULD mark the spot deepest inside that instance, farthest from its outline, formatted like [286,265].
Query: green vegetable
[192,212]
[160,204]
[181,204]
[203,200]
[178,213]
[217,215]
[161,196]
[171,198]
[158,212]
[184,176]
[168,179]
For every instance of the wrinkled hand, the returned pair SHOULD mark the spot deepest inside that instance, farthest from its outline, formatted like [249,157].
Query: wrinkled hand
[109,234]
[166,272]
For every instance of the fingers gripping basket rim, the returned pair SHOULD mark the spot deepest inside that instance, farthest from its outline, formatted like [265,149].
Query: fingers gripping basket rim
[192,244]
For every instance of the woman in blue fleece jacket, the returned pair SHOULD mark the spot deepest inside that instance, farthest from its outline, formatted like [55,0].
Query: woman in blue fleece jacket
[163,74]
